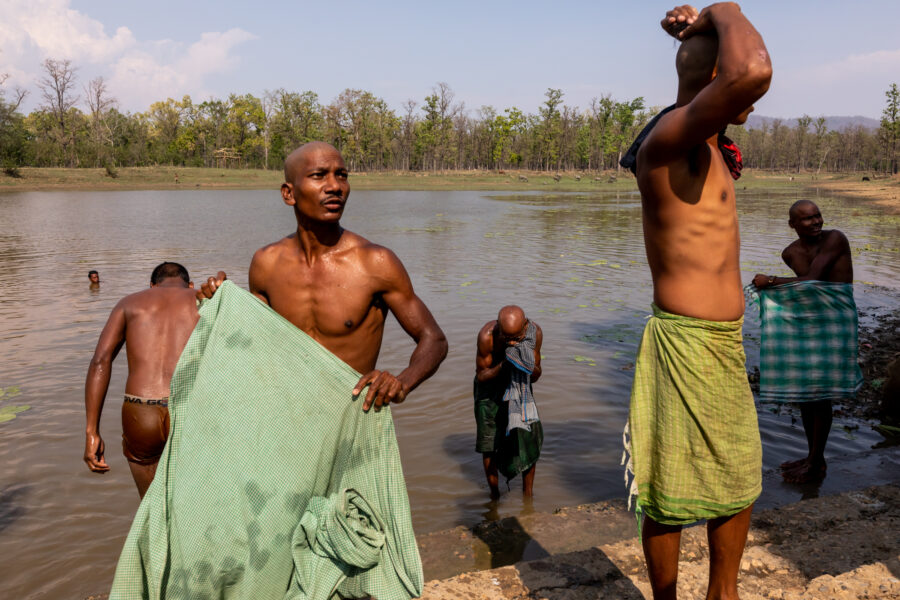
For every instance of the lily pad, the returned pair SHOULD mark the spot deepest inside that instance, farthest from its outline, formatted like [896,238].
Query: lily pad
[8,413]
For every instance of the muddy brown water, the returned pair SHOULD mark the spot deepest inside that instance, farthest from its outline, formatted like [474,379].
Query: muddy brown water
[575,262]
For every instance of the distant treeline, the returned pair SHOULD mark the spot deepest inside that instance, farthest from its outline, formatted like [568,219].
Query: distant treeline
[81,126]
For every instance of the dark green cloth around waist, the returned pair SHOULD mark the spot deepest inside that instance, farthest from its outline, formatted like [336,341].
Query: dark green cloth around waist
[514,453]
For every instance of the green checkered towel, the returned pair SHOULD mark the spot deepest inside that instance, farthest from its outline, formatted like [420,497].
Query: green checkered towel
[809,342]
[692,432]
[274,483]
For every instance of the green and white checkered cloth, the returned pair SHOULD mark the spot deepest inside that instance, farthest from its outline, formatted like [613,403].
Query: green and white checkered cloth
[692,432]
[809,342]
[274,483]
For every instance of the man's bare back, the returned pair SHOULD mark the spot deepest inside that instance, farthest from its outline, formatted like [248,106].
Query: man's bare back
[154,325]
[337,286]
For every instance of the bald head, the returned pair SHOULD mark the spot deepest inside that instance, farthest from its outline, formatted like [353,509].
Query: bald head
[801,207]
[511,320]
[695,63]
[296,160]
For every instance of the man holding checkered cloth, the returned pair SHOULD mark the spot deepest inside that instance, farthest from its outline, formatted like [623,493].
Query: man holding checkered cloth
[810,333]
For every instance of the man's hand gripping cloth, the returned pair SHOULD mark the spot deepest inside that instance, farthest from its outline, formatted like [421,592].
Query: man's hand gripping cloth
[522,409]
[274,483]
[694,444]
[809,344]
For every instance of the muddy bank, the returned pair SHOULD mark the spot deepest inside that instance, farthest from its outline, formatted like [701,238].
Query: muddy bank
[843,547]
[882,190]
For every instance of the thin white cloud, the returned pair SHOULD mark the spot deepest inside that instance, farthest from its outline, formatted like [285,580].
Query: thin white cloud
[138,72]
[853,85]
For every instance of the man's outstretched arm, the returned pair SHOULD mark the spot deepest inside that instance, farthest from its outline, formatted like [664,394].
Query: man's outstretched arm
[743,74]
[418,322]
[97,383]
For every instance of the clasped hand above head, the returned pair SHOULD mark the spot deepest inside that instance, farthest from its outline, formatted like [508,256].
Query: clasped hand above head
[685,21]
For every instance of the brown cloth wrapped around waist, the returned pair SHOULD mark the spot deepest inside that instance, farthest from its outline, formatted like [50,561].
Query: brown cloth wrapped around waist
[145,428]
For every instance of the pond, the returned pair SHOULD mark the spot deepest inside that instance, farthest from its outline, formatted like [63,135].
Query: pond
[574,262]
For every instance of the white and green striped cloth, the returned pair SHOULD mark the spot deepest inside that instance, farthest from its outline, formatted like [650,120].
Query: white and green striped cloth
[809,342]
[274,484]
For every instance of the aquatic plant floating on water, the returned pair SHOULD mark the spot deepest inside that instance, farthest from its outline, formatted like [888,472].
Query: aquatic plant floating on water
[9,412]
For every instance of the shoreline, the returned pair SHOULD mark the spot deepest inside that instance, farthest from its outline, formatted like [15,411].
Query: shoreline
[881,189]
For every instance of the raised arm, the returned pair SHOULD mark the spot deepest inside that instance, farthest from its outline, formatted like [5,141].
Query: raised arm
[97,383]
[417,321]
[743,72]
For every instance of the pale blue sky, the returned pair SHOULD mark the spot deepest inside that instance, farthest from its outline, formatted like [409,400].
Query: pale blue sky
[830,58]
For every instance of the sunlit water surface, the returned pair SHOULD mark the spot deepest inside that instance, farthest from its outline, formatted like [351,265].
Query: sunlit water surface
[575,263]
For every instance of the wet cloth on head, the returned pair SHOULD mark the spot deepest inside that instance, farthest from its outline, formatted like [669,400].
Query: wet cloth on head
[809,342]
[731,154]
[145,428]
[514,452]
[692,439]
[522,408]
[274,483]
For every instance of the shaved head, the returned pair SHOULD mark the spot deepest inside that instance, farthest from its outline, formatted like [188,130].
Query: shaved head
[696,62]
[511,320]
[799,204]
[296,160]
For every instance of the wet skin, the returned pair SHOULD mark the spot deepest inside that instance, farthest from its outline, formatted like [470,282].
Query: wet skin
[337,286]
[494,338]
[691,227]
[154,325]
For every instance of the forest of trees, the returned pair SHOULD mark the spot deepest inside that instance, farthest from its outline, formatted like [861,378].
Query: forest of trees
[80,125]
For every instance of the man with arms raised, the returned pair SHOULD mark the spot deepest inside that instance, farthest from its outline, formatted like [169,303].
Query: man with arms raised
[337,286]
[154,325]
[816,256]
[694,441]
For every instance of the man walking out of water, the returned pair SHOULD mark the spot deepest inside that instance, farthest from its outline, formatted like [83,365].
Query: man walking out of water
[154,325]
[810,333]
[509,431]
[694,442]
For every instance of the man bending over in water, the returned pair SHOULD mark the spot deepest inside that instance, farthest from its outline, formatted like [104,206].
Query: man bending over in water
[816,255]
[154,325]
[694,441]
[338,287]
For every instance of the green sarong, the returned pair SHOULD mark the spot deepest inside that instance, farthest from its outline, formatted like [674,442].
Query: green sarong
[694,442]
[274,483]
[809,342]
[514,452]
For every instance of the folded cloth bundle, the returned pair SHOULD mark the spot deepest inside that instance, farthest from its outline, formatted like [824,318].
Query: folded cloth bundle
[265,435]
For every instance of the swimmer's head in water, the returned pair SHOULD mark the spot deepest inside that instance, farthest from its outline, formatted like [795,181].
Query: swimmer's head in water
[94,276]
[169,270]
[512,324]
[316,182]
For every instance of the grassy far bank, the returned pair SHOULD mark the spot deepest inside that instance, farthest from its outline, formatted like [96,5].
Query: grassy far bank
[883,190]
